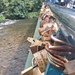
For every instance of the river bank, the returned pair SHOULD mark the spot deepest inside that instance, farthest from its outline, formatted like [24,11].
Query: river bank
[14,46]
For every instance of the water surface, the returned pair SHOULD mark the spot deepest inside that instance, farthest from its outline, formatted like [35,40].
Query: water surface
[14,46]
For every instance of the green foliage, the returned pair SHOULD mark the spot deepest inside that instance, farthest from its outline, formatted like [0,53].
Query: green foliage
[2,6]
[2,18]
[37,4]
[19,9]
[29,5]
[33,14]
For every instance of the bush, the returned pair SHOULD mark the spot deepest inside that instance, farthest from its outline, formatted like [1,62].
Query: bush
[33,14]
[2,18]
[20,9]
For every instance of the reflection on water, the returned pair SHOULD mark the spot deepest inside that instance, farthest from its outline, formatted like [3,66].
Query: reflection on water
[14,47]
[1,28]
[19,26]
[15,33]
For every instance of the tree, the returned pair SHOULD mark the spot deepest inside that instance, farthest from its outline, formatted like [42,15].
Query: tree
[37,4]
[17,9]
[2,6]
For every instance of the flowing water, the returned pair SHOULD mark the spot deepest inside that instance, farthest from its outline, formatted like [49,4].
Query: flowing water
[14,46]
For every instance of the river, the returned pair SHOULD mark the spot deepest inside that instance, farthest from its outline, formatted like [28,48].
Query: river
[14,46]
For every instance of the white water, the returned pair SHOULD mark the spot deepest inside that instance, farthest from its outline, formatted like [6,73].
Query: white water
[9,22]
